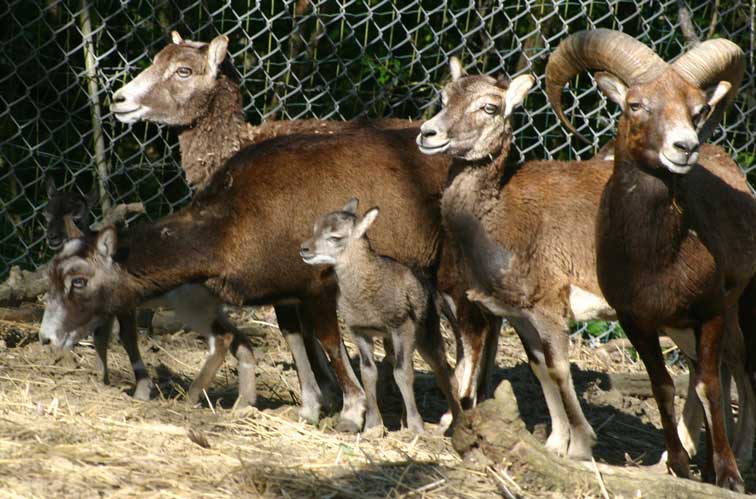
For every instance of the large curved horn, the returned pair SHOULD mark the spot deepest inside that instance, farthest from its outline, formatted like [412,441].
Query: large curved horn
[707,64]
[599,49]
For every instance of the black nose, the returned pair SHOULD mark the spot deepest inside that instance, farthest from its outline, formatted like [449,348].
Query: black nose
[304,250]
[686,146]
[44,341]
[118,98]
[427,132]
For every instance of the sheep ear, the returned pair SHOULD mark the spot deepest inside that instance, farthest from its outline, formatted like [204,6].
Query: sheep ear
[176,38]
[351,206]
[216,52]
[456,69]
[717,93]
[72,230]
[364,224]
[515,94]
[612,87]
[107,241]
[50,185]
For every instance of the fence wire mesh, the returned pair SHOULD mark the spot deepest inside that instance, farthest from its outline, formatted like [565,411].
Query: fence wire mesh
[336,59]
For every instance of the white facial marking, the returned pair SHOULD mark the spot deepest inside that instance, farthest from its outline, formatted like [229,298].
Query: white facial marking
[52,322]
[130,109]
[320,260]
[671,156]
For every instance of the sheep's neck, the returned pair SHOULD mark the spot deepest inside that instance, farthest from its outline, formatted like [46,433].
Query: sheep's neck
[474,181]
[216,136]
[359,270]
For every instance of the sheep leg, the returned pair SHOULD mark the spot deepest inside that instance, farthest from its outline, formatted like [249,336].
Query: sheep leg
[101,341]
[559,438]
[555,337]
[369,374]
[404,374]
[736,352]
[242,349]
[311,395]
[473,329]
[219,344]
[430,344]
[646,342]
[491,334]
[327,331]
[708,388]
[127,332]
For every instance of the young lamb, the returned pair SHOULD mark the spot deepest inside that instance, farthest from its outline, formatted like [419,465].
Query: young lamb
[380,297]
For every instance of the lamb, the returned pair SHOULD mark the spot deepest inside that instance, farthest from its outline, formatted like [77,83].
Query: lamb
[380,297]
[676,227]
[525,242]
[210,112]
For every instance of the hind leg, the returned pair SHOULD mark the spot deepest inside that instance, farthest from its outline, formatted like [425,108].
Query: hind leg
[219,345]
[369,374]
[289,325]
[559,438]
[242,349]
[404,374]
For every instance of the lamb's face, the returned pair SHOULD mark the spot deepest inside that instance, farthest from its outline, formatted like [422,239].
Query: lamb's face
[81,278]
[474,121]
[330,236]
[175,89]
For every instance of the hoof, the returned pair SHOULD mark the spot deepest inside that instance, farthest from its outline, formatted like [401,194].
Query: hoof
[445,423]
[143,389]
[733,483]
[347,426]
[310,415]
[557,444]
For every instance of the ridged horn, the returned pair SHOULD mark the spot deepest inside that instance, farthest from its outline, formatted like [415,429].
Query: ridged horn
[603,50]
[707,64]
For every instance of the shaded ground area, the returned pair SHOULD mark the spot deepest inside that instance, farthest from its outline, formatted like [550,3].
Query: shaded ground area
[63,433]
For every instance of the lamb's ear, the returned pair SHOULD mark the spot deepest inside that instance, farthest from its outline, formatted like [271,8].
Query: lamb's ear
[518,89]
[176,38]
[107,241]
[612,87]
[456,68]
[716,94]
[216,52]
[365,222]
[351,206]
[50,185]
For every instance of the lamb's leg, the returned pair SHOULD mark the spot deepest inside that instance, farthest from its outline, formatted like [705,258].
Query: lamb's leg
[288,324]
[559,438]
[554,333]
[369,373]
[101,340]
[403,339]
[323,307]
[127,332]
[473,329]
[430,344]
[708,388]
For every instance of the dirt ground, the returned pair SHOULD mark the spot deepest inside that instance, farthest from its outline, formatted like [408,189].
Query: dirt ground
[65,434]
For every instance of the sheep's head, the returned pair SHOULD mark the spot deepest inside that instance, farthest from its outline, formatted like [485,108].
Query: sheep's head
[334,232]
[81,279]
[66,214]
[474,121]
[176,88]
[667,109]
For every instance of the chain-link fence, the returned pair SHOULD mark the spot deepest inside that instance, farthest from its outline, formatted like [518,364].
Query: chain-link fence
[60,61]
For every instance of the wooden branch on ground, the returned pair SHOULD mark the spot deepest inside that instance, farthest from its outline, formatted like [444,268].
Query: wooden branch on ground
[24,285]
[638,384]
[494,435]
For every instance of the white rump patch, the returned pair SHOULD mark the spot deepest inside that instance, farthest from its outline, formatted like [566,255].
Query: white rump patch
[585,306]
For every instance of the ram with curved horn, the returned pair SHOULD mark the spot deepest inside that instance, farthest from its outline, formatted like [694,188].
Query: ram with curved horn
[676,227]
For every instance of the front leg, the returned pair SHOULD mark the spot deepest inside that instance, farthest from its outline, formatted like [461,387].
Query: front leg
[708,388]
[369,373]
[101,341]
[646,342]
[127,332]
[323,307]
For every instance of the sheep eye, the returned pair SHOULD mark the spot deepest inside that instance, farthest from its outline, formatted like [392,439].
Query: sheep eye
[635,106]
[184,72]
[491,109]
[334,239]
[78,282]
